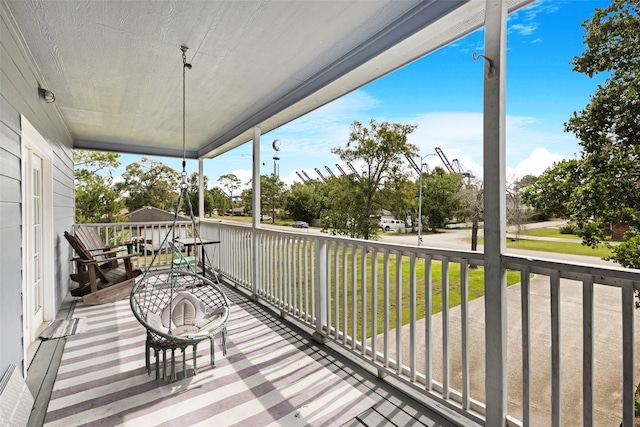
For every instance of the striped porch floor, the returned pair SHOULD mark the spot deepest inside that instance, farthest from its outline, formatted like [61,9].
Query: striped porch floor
[273,374]
[263,380]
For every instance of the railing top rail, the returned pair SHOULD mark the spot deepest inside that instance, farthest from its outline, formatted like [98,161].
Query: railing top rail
[133,224]
[610,275]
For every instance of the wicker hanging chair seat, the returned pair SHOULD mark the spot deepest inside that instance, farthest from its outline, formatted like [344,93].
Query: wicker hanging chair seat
[179,309]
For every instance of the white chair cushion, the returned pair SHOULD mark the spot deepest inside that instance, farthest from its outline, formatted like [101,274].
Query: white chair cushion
[185,309]
[155,321]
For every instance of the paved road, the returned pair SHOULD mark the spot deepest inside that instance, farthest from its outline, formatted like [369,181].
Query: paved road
[458,239]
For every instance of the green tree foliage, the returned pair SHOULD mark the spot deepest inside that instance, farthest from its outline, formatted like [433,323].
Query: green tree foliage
[518,213]
[380,151]
[97,200]
[344,214]
[602,187]
[400,194]
[272,195]
[229,183]
[305,201]
[194,195]
[441,197]
[553,189]
[150,183]
[472,205]
[608,127]
[219,200]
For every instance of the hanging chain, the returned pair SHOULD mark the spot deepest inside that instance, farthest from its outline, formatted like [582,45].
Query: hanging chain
[185,65]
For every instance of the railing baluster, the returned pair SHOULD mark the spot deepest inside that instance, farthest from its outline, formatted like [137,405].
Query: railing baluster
[374,304]
[428,301]
[398,312]
[354,292]
[387,304]
[363,300]
[412,317]
[344,296]
[445,328]
[525,298]
[300,298]
[628,383]
[556,397]
[464,313]
[312,277]
[336,288]
[321,288]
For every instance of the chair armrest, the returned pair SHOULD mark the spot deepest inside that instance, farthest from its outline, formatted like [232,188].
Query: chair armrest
[101,252]
[107,250]
[84,261]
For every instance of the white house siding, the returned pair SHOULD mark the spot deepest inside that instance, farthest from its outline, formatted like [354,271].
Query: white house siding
[19,81]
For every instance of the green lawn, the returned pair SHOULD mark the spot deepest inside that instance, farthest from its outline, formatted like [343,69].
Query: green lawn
[345,289]
[553,232]
[559,247]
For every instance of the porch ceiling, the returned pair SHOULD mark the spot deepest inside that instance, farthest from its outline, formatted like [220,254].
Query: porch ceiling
[116,69]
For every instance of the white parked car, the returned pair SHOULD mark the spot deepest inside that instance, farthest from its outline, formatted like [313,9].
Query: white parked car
[388,224]
[266,217]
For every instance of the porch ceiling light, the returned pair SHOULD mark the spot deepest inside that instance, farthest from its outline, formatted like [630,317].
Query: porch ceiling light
[46,95]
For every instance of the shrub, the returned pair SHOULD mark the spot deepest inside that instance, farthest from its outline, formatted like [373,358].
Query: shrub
[569,229]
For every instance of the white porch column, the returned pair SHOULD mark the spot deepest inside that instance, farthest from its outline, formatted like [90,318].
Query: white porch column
[255,223]
[495,212]
[201,189]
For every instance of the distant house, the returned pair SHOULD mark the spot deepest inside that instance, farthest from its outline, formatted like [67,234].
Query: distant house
[154,227]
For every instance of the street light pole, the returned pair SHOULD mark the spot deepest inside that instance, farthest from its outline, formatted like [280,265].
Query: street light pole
[422,165]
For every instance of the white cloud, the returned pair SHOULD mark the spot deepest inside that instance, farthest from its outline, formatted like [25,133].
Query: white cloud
[524,30]
[538,161]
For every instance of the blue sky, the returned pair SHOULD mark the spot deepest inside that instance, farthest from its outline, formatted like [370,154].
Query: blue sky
[442,95]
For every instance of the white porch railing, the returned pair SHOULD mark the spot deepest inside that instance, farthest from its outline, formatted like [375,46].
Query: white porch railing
[148,238]
[571,327]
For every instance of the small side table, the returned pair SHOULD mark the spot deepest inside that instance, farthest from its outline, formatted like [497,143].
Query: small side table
[189,243]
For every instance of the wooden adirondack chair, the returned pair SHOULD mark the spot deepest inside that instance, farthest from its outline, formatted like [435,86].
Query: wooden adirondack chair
[104,254]
[99,284]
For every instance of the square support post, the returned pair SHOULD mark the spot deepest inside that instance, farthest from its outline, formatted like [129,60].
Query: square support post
[201,189]
[495,213]
[255,223]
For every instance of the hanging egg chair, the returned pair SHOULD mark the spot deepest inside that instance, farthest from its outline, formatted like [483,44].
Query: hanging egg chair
[178,307]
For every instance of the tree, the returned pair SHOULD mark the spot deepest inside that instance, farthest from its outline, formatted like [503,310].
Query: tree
[600,189]
[305,200]
[194,195]
[272,191]
[380,149]
[344,214]
[96,199]
[229,184]
[517,211]
[219,200]
[400,194]
[441,197]
[553,189]
[608,127]
[472,201]
[150,183]
[272,195]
